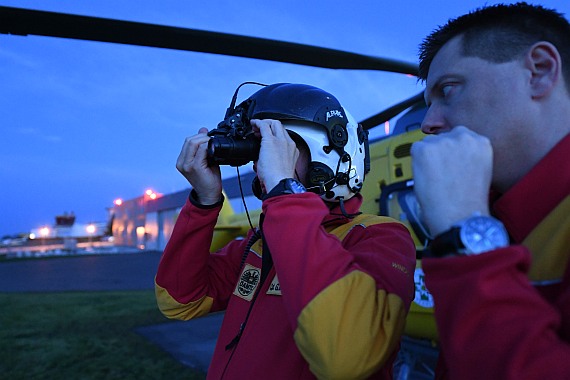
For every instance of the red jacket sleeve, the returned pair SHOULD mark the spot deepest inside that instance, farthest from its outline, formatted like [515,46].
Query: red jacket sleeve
[493,324]
[190,281]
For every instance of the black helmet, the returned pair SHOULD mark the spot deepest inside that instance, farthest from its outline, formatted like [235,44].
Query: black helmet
[292,101]
[337,143]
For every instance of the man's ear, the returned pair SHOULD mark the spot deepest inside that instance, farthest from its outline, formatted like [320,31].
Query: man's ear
[545,65]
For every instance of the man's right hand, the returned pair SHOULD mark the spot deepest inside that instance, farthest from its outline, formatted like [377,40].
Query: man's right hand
[452,176]
[192,163]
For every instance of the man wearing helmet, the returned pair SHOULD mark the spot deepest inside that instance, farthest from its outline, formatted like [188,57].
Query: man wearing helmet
[319,290]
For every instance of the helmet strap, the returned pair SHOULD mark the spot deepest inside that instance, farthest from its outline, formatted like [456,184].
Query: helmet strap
[343,210]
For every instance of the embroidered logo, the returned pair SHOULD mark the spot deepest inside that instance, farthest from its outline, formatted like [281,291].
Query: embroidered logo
[248,282]
[423,296]
[274,287]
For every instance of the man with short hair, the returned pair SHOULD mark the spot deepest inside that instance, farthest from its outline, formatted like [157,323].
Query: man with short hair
[493,182]
[325,290]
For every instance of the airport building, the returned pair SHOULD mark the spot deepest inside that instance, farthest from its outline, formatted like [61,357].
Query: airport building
[146,222]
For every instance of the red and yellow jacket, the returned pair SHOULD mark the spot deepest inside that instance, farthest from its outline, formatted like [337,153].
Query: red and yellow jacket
[505,314]
[333,304]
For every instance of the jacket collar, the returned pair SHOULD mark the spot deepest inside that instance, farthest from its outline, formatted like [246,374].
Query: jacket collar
[527,203]
[352,206]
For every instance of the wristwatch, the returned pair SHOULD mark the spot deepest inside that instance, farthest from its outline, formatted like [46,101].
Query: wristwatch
[286,186]
[470,236]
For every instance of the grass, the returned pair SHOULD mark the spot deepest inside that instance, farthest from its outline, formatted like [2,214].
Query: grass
[83,335]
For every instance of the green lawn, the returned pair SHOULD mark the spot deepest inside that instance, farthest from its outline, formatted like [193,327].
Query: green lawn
[83,335]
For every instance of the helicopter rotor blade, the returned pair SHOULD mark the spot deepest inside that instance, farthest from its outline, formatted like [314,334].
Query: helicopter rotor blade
[19,21]
[389,113]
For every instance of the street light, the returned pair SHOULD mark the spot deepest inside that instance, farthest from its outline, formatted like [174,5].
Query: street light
[151,194]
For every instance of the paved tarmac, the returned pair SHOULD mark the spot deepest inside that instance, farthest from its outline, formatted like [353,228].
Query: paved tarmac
[191,342]
[130,271]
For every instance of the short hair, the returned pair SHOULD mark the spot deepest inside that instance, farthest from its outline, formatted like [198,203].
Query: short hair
[501,33]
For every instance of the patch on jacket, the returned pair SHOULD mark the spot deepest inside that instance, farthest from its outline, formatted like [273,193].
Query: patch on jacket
[423,296]
[274,287]
[248,282]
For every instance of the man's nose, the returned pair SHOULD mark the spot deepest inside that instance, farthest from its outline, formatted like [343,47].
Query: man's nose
[433,123]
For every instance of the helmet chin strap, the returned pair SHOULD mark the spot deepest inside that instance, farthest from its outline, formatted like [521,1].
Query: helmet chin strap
[343,210]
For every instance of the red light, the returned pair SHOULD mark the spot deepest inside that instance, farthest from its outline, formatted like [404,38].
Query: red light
[151,194]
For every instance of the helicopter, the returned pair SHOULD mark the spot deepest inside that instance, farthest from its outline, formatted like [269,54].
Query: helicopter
[388,189]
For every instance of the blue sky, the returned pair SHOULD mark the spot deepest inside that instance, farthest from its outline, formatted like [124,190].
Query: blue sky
[84,123]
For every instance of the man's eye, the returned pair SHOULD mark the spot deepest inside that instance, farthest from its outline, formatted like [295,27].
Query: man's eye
[446,89]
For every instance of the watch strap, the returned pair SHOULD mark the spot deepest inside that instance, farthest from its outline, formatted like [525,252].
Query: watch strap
[283,188]
[446,243]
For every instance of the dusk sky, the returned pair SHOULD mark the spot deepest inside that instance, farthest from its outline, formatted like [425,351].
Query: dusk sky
[84,123]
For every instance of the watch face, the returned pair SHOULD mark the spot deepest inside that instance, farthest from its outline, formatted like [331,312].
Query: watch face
[295,186]
[483,233]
